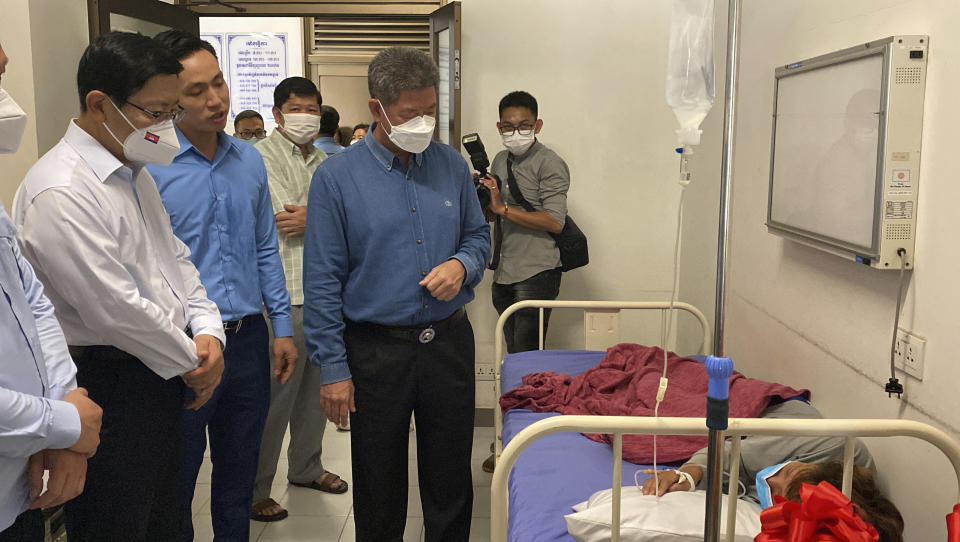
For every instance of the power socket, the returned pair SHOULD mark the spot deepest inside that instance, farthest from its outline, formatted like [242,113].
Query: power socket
[485,372]
[908,353]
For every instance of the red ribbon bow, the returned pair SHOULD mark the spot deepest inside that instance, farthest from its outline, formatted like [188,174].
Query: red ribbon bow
[823,514]
[953,524]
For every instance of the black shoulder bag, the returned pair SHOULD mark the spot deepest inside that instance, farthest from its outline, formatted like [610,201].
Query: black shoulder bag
[571,241]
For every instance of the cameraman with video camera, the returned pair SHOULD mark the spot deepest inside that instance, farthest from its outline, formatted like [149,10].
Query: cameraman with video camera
[529,262]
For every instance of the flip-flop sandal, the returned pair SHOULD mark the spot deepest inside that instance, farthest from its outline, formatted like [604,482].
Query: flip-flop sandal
[489,464]
[258,508]
[326,484]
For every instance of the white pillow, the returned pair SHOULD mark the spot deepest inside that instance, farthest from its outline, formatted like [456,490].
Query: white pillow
[676,516]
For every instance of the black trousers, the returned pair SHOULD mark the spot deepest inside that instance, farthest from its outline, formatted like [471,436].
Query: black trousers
[520,330]
[233,418]
[131,489]
[394,377]
[27,528]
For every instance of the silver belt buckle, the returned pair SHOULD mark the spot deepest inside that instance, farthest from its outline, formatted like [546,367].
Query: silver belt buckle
[427,335]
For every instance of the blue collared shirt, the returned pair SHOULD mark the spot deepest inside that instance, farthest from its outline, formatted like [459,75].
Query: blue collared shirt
[221,209]
[328,145]
[374,230]
[35,374]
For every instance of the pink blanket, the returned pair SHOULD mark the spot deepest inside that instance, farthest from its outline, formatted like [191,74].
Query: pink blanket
[625,384]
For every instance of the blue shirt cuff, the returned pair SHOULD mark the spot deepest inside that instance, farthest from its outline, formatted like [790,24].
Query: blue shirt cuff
[64,425]
[334,371]
[469,267]
[282,326]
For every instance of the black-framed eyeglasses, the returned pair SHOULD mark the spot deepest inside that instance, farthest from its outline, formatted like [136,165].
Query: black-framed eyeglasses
[247,134]
[524,129]
[174,115]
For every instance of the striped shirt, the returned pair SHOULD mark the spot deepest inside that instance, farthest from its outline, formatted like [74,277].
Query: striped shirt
[288,175]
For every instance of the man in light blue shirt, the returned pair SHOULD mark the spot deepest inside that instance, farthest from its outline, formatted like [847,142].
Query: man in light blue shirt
[218,199]
[329,125]
[45,420]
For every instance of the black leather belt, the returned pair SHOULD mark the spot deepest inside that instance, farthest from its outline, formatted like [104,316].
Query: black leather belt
[422,334]
[233,326]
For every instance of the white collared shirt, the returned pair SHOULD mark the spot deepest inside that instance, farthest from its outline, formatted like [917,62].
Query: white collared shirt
[100,240]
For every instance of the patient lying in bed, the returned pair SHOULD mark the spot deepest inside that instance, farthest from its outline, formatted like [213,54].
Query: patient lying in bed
[808,460]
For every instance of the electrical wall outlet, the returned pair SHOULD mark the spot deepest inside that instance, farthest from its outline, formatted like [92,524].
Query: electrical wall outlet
[485,372]
[908,353]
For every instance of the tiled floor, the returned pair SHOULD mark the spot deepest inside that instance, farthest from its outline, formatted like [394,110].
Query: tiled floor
[321,517]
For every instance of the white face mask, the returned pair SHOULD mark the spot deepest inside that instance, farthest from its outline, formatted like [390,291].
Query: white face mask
[251,141]
[300,127]
[155,144]
[413,136]
[518,144]
[12,123]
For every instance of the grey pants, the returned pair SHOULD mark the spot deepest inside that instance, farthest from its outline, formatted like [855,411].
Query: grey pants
[298,403]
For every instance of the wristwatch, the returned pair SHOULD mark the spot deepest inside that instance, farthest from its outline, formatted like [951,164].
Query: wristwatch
[506,209]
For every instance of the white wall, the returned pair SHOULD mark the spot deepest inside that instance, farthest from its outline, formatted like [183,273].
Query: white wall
[291,26]
[598,73]
[44,40]
[810,319]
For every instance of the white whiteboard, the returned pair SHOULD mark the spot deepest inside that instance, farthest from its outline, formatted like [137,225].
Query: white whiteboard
[826,138]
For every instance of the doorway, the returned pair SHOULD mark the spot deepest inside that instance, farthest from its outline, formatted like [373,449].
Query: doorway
[341,38]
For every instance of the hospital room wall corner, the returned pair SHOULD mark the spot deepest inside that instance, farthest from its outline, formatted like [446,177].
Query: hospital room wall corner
[44,40]
[809,319]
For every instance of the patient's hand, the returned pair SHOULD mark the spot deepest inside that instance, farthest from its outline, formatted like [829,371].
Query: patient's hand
[671,481]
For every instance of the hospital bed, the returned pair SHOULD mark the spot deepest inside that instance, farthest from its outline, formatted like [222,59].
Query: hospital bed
[566,468]
[531,493]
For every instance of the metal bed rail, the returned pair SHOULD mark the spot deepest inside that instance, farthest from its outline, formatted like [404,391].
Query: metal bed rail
[738,427]
[663,306]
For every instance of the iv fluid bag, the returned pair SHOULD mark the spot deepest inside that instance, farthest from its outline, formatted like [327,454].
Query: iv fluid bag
[690,80]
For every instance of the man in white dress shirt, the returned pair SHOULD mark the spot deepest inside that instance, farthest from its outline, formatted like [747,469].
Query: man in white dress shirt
[46,422]
[128,297]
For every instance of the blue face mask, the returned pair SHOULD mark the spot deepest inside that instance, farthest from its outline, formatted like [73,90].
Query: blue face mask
[763,489]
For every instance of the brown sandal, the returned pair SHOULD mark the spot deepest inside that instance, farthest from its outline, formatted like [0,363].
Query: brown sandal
[328,483]
[257,512]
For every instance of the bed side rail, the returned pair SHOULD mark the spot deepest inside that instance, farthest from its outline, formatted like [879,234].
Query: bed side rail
[738,427]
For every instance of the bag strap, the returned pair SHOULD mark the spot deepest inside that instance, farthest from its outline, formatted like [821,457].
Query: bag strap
[515,190]
[497,244]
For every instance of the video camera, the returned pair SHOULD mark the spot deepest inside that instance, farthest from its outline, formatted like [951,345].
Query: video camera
[478,157]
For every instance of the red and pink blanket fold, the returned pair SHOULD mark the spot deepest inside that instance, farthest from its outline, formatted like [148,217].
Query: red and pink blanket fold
[625,384]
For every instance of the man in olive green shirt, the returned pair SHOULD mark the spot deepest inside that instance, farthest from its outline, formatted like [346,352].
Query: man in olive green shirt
[291,159]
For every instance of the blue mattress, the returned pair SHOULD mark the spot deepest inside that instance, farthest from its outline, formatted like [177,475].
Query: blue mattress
[558,471]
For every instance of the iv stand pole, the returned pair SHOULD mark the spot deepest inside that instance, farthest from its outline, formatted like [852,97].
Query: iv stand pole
[719,369]
[726,168]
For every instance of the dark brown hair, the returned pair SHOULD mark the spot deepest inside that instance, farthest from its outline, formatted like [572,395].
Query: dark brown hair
[869,502]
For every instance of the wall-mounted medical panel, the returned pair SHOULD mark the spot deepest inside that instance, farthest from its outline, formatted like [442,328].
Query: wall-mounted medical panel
[845,153]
